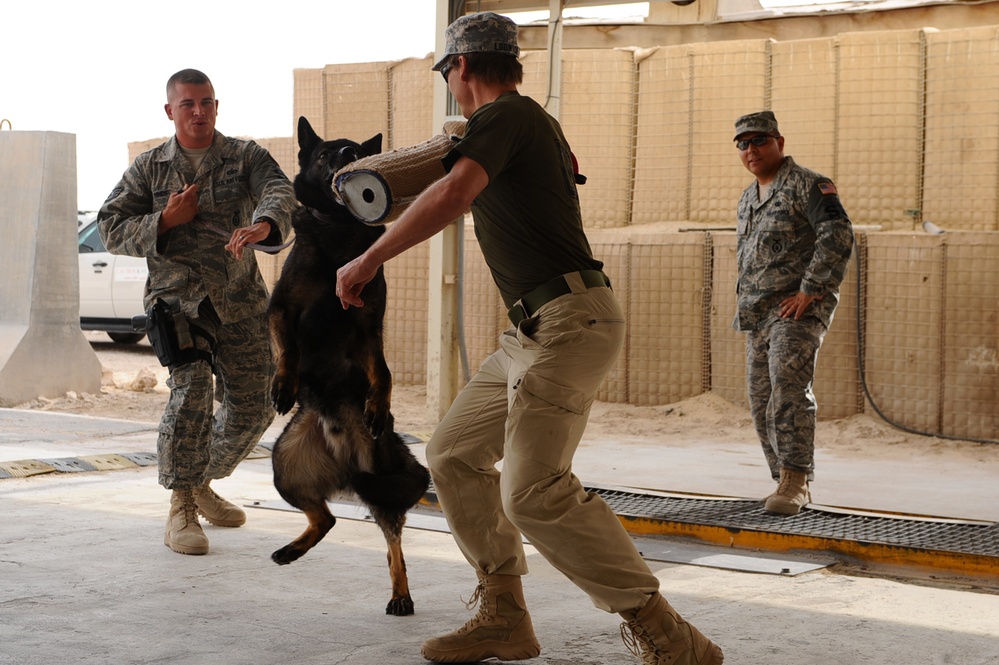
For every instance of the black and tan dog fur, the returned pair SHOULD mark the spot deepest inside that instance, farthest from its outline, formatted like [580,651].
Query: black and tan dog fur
[341,440]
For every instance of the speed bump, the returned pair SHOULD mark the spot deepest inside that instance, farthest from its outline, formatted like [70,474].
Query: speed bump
[26,467]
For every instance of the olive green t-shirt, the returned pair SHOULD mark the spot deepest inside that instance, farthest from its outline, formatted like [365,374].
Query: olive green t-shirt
[527,219]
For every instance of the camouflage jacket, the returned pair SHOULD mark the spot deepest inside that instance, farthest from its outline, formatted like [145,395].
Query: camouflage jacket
[798,239]
[239,183]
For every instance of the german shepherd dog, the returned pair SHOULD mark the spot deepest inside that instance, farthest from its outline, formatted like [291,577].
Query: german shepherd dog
[341,440]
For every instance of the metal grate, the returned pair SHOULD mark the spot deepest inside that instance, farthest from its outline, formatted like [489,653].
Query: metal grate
[913,533]
[894,531]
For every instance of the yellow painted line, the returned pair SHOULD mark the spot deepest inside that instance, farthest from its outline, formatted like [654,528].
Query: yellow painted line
[968,565]
[851,552]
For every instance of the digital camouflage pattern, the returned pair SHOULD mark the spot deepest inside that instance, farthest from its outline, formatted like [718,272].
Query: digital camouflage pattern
[763,122]
[798,239]
[194,444]
[780,365]
[485,32]
[239,183]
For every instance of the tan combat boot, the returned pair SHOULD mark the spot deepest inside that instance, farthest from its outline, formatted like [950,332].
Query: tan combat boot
[791,495]
[217,510]
[501,629]
[658,635]
[183,531]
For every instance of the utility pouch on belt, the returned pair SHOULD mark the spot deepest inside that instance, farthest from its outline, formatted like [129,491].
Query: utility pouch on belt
[172,337]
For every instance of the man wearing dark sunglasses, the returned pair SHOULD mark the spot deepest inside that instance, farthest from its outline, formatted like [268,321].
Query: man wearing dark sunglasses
[795,241]
[528,403]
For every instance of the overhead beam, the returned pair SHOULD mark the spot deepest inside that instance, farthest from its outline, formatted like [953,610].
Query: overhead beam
[507,6]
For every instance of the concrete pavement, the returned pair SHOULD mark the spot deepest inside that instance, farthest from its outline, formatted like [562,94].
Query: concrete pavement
[85,577]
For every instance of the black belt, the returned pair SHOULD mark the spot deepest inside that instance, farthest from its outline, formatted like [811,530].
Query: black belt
[553,288]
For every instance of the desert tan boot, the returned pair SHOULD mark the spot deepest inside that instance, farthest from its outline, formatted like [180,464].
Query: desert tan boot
[658,635]
[217,510]
[183,531]
[501,629]
[791,495]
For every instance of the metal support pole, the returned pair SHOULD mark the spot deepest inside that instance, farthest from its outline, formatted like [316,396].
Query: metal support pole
[442,307]
[553,102]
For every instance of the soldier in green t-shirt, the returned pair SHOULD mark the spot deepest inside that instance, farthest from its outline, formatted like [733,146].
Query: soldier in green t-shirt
[529,401]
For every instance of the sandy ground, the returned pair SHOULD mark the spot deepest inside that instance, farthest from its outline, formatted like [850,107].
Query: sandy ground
[134,388]
[703,445]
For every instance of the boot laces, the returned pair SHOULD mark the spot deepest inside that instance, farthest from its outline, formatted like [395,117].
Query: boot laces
[206,492]
[479,597]
[190,507]
[786,488]
[640,644]
[476,597]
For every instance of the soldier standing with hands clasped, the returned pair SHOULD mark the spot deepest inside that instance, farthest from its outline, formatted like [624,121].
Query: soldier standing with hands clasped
[795,241]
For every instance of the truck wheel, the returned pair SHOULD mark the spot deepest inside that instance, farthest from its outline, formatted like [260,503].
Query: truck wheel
[126,338]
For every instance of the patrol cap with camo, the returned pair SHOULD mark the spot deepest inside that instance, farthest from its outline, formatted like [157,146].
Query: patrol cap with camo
[763,122]
[485,32]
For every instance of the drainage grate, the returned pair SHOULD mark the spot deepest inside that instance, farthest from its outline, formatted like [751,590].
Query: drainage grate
[962,548]
[912,533]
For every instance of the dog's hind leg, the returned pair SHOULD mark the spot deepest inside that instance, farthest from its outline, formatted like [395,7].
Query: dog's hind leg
[305,475]
[321,520]
[391,523]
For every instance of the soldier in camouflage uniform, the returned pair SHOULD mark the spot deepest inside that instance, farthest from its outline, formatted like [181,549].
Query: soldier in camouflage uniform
[190,206]
[795,241]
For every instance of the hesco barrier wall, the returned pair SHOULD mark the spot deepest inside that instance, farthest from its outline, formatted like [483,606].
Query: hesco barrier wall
[907,124]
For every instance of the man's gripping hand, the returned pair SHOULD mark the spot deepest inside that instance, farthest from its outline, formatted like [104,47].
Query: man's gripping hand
[181,208]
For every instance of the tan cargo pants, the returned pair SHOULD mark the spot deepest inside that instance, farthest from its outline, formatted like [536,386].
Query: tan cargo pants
[527,406]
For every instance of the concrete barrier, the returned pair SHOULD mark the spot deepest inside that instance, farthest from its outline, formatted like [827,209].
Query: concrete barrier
[43,351]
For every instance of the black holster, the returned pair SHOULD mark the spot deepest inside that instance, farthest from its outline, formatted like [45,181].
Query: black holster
[172,336]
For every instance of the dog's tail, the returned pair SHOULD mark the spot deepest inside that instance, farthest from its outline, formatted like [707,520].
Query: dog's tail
[395,492]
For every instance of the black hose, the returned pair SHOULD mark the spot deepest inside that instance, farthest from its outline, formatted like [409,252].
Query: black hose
[863,379]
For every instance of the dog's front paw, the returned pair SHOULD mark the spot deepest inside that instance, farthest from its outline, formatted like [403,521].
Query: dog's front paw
[400,606]
[286,555]
[284,393]
[378,422]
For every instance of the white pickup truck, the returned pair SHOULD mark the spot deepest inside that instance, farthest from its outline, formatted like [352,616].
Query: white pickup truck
[111,286]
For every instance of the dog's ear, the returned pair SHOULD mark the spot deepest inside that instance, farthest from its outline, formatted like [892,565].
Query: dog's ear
[372,146]
[306,135]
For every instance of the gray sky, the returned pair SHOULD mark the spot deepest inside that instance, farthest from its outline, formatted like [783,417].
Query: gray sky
[98,68]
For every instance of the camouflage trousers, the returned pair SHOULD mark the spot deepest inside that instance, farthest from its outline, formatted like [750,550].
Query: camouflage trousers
[780,366]
[197,441]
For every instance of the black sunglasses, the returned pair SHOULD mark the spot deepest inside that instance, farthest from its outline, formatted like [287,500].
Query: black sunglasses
[758,141]
[445,70]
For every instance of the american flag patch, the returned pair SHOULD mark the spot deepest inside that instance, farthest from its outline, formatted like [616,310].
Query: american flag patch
[827,188]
